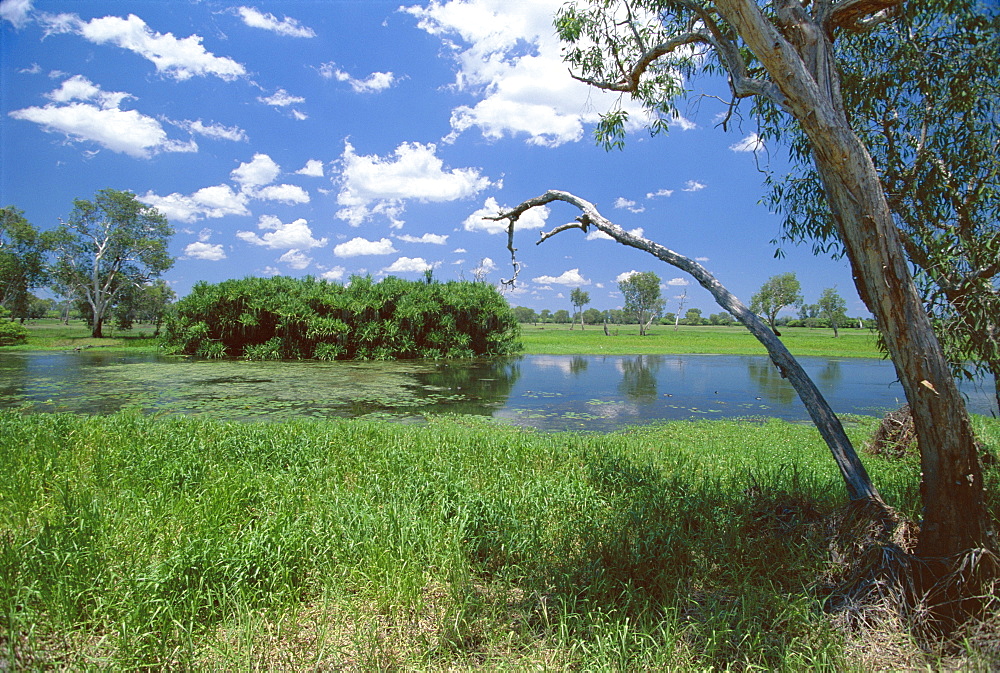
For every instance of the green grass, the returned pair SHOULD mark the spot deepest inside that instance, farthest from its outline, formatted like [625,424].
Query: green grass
[625,340]
[52,334]
[131,542]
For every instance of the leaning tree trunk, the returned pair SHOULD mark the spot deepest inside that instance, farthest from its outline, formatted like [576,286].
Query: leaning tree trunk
[856,479]
[801,62]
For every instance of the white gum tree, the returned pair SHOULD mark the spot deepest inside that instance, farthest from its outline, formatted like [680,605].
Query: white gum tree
[780,54]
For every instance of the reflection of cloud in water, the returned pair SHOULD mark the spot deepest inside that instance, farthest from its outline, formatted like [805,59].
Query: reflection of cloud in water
[560,362]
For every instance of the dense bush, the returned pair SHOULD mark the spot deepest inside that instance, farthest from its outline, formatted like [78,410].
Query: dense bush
[287,318]
[11,333]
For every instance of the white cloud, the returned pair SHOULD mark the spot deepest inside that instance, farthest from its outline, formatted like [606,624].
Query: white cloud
[281,98]
[334,274]
[751,143]
[532,219]
[212,202]
[629,205]
[625,276]
[296,259]
[313,168]
[285,193]
[292,236]
[101,120]
[509,56]
[678,282]
[287,27]
[437,239]
[362,246]
[373,185]
[216,131]
[261,170]
[701,260]
[377,81]
[15,11]
[407,264]
[693,186]
[660,192]
[206,251]
[598,235]
[178,58]
[571,277]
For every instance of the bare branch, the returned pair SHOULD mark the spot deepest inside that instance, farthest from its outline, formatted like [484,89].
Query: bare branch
[860,14]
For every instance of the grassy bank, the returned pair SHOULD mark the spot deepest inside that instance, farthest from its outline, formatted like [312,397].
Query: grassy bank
[625,340]
[52,334]
[130,542]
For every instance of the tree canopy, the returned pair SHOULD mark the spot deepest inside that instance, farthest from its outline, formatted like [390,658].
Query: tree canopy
[642,297]
[22,261]
[109,246]
[778,292]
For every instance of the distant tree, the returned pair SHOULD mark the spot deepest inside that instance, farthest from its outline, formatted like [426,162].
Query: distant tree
[22,261]
[525,315]
[777,293]
[545,316]
[561,317]
[723,318]
[642,298]
[109,246]
[693,317]
[593,317]
[832,308]
[579,299]
[148,303]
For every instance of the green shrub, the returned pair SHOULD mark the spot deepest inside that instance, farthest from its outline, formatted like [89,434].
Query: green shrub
[11,333]
[287,318]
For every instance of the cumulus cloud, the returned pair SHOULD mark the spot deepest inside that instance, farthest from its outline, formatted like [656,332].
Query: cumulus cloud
[660,192]
[678,282]
[208,202]
[362,246]
[206,251]
[509,57]
[280,236]
[180,58]
[377,81]
[373,185]
[693,186]
[313,168]
[286,26]
[751,143]
[290,194]
[253,175]
[408,264]
[83,112]
[16,11]
[625,276]
[437,239]
[296,259]
[571,277]
[334,274]
[532,219]
[598,235]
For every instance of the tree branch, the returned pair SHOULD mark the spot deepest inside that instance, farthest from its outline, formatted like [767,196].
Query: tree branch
[859,486]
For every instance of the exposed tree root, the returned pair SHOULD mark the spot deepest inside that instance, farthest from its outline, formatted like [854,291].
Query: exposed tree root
[876,584]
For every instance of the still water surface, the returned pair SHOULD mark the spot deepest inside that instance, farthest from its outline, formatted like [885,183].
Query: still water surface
[549,392]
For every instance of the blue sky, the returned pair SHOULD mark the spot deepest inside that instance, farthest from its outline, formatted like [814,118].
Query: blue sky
[367,137]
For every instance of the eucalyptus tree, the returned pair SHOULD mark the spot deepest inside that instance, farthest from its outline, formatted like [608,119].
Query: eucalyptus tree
[833,307]
[579,298]
[923,92]
[108,247]
[781,54]
[778,292]
[22,261]
[642,298]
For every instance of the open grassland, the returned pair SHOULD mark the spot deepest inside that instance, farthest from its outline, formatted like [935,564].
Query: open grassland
[664,339]
[134,542]
[52,334]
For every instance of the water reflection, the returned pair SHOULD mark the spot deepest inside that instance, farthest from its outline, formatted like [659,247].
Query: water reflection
[548,392]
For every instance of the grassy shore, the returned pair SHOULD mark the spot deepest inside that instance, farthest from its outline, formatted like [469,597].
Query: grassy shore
[52,334]
[625,340]
[131,542]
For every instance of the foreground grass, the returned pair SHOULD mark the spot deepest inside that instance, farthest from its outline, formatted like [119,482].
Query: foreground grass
[664,339]
[133,542]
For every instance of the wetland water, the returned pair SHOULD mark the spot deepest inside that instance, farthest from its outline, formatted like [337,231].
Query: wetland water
[549,392]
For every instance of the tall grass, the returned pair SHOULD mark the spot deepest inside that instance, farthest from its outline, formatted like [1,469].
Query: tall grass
[133,542]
